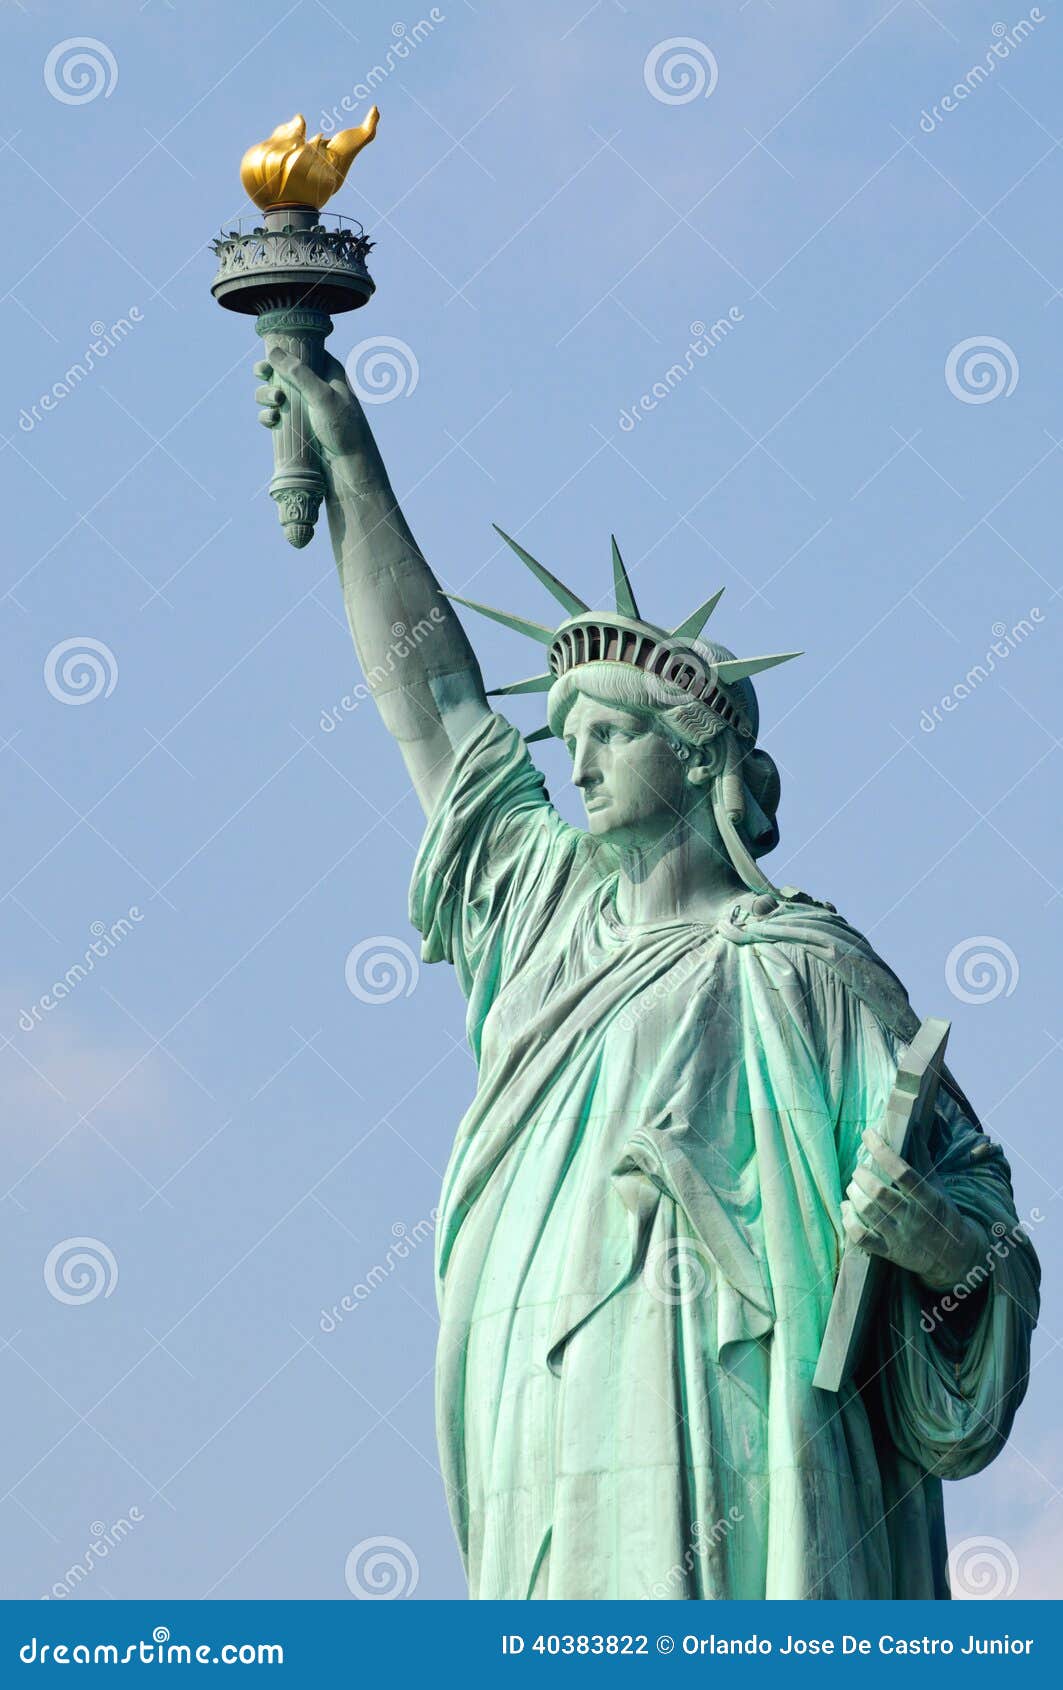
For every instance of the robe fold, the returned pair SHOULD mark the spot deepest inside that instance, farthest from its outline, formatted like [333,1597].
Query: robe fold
[640,1233]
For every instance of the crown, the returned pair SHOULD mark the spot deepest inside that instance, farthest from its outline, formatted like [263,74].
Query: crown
[675,655]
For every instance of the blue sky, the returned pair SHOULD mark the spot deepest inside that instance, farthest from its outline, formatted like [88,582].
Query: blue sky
[247,1137]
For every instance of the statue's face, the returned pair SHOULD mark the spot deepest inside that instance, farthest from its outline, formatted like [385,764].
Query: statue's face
[634,786]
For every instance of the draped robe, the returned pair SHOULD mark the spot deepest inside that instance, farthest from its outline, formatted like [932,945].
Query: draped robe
[639,1235]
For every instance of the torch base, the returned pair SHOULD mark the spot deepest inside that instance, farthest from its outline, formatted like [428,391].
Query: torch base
[297,508]
[291,272]
[293,259]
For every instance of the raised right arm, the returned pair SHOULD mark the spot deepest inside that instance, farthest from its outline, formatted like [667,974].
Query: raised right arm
[415,654]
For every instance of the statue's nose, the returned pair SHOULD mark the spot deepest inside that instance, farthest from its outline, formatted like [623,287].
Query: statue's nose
[583,771]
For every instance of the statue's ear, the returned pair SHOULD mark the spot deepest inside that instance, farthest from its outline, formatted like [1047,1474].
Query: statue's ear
[710,761]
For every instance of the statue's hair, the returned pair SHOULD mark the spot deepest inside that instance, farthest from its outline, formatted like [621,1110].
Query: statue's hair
[623,684]
[684,721]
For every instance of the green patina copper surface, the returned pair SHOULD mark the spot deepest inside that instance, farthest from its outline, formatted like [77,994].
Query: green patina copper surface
[640,1231]
[680,1069]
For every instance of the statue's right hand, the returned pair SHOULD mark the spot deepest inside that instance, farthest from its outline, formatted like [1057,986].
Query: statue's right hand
[335,415]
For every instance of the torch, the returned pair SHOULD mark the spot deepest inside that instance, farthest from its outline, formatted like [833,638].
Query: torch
[294,272]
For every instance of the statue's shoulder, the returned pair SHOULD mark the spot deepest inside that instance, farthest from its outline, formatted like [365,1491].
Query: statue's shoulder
[817,940]
[778,913]
[788,916]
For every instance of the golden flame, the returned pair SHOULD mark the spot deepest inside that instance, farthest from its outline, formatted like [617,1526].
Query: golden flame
[288,169]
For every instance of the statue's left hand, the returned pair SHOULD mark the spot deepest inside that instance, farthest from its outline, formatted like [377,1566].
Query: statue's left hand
[890,1210]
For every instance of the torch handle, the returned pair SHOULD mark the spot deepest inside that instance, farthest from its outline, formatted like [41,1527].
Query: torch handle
[298,485]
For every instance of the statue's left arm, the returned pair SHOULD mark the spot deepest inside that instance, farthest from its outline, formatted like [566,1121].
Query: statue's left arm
[951,1349]
[955,1357]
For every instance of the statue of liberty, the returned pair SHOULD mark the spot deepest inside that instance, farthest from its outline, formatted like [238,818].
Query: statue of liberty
[681,1068]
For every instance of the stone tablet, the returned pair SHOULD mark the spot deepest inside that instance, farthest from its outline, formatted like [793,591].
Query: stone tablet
[909,1112]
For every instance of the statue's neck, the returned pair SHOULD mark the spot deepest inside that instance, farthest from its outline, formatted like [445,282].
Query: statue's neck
[686,875]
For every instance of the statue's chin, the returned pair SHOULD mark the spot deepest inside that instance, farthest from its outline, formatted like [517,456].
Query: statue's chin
[598,816]
[607,823]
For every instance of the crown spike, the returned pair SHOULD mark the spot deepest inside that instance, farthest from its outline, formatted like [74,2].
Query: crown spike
[740,668]
[691,625]
[564,595]
[519,624]
[534,683]
[540,733]
[625,598]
